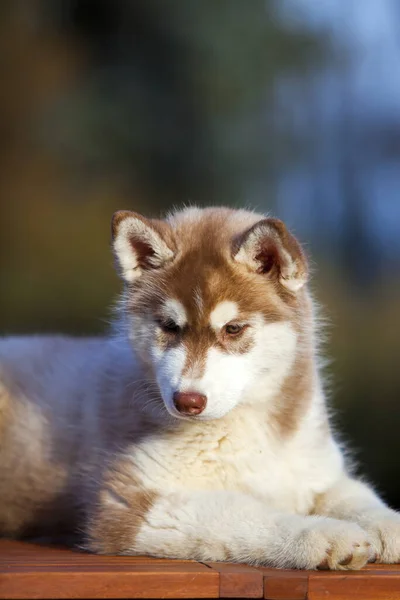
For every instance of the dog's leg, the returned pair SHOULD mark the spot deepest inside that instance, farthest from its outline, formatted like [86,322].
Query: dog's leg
[354,501]
[220,526]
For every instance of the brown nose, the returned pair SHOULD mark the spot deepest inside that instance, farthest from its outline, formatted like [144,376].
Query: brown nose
[189,403]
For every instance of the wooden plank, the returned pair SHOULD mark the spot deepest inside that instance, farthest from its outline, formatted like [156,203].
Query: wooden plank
[30,552]
[285,584]
[238,581]
[28,572]
[355,585]
[106,584]
[374,582]
[382,567]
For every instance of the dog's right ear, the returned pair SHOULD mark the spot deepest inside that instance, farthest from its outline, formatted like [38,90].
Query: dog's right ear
[269,249]
[140,244]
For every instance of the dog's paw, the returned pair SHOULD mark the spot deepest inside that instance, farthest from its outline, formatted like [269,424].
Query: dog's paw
[383,529]
[332,544]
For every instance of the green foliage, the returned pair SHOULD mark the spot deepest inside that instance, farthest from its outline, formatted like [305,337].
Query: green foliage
[180,103]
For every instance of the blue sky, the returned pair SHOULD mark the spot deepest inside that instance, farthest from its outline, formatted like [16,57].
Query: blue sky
[369,33]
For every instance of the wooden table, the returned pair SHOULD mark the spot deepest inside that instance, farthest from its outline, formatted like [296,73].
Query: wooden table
[30,571]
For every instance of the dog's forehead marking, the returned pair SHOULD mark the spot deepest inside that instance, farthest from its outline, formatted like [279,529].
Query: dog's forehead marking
[198,299]
[173,309]
[223,313]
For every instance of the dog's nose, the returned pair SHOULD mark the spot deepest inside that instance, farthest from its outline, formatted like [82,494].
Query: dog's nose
[189,403]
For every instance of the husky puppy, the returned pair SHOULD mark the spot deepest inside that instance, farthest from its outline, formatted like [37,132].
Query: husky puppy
[199,429]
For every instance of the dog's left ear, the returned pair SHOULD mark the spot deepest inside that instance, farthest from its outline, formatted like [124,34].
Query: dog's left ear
[140,244]
[268,248]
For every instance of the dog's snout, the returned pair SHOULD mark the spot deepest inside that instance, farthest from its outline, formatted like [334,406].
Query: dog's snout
[189,403]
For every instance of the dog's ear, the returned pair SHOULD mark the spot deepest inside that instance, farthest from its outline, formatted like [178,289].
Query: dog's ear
[140,244]
[268,248]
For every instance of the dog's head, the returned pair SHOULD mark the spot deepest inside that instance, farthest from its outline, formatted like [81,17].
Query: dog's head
[214,304]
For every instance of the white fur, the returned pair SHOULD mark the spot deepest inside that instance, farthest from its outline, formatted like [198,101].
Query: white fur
[168,367]
[255,535]
[173,309]
[294,284]
[128,258]
[223,313]
[230,378]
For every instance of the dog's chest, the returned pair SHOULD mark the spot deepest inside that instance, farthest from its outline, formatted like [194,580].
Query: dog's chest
[241,456]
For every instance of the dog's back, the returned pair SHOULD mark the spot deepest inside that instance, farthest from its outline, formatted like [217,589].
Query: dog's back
[44,401]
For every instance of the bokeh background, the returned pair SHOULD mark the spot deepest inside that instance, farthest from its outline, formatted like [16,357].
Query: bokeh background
[288,106]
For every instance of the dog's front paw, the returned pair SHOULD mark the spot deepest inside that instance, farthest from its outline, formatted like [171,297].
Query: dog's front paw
[332,544]
[383,528]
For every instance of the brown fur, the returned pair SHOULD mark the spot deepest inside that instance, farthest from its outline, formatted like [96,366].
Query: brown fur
[296,393]
[30,478]
[295,396]
[118,511]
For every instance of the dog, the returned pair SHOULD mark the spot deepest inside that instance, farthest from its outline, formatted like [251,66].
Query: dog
[198,429]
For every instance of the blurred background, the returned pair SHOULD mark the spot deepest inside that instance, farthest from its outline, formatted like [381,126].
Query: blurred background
[287,106]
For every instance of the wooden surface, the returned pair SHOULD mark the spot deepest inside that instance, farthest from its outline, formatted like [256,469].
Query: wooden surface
[29,571]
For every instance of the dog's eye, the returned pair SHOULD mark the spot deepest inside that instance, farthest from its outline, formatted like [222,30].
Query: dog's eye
[233,329]
[169,326]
